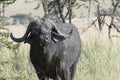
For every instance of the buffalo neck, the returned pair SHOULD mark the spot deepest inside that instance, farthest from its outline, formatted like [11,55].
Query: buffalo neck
[47,52]
[50,48]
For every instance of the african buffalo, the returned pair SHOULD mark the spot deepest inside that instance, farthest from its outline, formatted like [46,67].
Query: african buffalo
[55,48]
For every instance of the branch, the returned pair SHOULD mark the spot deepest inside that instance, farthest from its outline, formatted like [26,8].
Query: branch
[116,28]
[93,23]
[60,11]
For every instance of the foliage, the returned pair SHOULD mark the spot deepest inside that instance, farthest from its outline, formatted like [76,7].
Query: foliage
[5,42]
[102,14]
[61,9]
[7,1]
[3,5]
[12,66]
[97,62]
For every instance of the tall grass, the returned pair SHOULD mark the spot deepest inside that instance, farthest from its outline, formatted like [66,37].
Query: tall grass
[100,60]
[15,64]
[97,62]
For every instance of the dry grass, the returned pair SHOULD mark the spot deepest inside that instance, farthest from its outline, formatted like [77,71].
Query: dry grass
[99,59]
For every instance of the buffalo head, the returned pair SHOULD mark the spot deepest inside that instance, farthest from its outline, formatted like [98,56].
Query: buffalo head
[41,32]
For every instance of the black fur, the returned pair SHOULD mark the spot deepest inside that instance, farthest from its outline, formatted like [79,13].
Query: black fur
[53,55]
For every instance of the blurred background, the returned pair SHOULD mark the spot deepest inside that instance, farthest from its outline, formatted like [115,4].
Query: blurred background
[98,23]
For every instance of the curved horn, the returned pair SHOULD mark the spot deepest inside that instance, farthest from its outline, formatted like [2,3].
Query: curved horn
[25,35]
[61,33]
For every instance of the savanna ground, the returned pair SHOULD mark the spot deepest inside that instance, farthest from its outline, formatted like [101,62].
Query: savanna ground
[99,59]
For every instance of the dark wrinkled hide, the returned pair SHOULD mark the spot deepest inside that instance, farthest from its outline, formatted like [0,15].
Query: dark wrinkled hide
[52,54]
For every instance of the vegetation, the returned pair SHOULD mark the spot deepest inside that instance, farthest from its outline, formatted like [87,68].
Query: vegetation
[14,62]
[64,9]
[97,62]
[3,5]
[99,59]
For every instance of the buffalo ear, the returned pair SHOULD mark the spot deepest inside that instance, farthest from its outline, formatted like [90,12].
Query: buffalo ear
[56,36]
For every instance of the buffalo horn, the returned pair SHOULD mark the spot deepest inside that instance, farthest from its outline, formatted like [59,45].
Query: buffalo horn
[59,32]
[25,35]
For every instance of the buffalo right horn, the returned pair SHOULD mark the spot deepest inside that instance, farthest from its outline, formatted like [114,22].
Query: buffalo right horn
[32,24]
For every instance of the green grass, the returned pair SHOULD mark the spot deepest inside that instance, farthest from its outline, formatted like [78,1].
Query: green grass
[97,62]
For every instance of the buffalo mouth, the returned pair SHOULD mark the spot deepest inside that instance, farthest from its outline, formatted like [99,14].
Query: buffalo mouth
[43,42]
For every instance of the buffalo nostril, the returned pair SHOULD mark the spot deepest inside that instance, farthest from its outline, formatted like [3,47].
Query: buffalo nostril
[46,38]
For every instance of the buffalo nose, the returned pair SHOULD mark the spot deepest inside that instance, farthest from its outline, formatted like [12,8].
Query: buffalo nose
[46,39]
